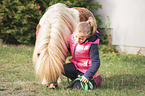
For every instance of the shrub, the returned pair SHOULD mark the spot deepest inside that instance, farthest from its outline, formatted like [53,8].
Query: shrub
[19,18]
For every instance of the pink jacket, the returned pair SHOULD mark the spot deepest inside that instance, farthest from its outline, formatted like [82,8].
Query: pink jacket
[80,54]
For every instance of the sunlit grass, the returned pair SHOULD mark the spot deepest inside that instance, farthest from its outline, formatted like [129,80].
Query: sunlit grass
[123,75]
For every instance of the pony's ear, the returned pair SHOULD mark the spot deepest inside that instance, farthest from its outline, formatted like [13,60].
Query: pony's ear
[37,29]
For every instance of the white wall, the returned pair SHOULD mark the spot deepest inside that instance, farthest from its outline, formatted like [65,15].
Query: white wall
[127,19]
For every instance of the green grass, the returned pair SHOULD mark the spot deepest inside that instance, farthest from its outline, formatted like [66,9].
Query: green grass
[123,75]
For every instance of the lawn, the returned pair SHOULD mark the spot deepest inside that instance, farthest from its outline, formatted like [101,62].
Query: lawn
[123,75]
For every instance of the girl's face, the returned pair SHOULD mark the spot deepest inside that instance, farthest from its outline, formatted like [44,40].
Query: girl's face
[80,38]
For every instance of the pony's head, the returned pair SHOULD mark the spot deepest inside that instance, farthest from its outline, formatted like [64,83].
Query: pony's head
[51,47]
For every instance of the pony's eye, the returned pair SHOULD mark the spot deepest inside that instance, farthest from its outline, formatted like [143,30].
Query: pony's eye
[38,54]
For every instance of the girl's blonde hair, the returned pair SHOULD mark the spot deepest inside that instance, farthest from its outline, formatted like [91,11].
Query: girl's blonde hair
[87,28]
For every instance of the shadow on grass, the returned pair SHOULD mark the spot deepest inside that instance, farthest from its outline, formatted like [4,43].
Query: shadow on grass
[124,81]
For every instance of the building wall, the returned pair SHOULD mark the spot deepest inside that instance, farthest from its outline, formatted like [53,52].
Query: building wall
[127,18]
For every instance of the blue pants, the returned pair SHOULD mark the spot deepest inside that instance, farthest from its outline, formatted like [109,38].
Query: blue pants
[71,72]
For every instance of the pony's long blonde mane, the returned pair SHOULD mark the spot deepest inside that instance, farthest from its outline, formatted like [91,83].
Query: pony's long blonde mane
[50,50]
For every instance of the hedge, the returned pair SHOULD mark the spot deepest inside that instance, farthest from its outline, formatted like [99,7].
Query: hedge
[18,18]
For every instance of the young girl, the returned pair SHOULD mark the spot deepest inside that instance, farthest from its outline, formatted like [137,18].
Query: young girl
[85,54]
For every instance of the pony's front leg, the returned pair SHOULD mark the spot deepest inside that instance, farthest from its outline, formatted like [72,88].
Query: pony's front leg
[44,82]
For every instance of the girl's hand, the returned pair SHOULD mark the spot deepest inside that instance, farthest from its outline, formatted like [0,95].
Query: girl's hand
[84,79]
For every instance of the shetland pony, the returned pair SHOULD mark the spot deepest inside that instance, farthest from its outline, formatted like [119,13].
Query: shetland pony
[52,34]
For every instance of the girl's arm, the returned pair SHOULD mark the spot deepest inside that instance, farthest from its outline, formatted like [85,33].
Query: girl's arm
[94,55]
